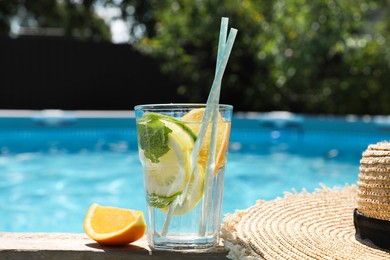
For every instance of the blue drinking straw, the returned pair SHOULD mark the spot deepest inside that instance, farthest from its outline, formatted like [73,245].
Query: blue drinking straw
[224,50]
[210,166]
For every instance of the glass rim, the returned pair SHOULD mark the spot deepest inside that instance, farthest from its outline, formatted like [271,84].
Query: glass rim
[179,106]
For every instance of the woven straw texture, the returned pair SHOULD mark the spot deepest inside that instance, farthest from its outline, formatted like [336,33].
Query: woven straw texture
[374,182]
[315,225]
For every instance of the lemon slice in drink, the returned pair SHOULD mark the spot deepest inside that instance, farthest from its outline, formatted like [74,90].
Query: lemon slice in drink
[167,176]
[193,195]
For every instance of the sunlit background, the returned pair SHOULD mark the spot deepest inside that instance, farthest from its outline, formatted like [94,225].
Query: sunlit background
[328,57]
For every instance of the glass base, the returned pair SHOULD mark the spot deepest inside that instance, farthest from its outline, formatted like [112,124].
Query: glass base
[182,242]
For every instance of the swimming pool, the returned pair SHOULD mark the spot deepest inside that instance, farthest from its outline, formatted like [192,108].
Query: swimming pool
[54,164]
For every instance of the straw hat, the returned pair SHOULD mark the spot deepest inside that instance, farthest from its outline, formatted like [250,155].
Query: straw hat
[318,225]
[372,216]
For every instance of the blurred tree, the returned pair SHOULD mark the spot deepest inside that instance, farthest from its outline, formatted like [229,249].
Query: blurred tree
[140,15]
[312,56]
[75,18]
[317,56]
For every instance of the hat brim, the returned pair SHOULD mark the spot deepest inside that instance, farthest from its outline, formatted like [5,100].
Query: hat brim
[316,225]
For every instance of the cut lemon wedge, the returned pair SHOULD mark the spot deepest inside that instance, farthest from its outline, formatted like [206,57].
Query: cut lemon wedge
[114,226]
[193,120]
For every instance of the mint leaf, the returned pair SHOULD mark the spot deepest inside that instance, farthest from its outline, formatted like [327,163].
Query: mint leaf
[153,137]
[160,201]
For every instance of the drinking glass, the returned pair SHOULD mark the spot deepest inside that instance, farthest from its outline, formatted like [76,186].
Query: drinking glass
[184,198]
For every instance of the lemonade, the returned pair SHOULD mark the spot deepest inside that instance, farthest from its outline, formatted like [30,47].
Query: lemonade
[173,181]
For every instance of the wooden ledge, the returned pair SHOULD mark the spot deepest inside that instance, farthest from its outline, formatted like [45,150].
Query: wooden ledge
[79,246]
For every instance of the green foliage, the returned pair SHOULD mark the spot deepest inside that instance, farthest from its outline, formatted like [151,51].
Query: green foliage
[310,56]
[76,18]
[320,56]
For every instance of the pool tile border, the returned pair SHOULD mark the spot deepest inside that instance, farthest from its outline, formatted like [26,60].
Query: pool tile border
[79,246]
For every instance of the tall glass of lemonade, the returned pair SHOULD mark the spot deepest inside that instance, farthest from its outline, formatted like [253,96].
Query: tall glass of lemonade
[184,200]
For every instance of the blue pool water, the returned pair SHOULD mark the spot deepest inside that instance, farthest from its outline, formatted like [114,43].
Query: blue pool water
[51,171]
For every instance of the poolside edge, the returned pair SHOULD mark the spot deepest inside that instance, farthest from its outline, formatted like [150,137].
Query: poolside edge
[79,246]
